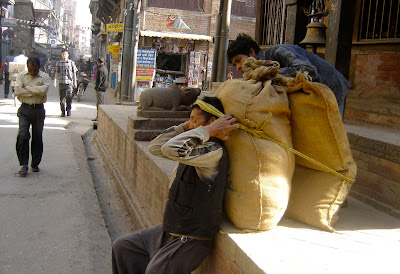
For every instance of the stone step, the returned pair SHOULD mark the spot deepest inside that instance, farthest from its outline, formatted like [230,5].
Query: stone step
[365,112]
[154,123]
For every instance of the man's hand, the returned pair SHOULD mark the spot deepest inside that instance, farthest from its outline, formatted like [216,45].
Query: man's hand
[55,83]
[221,127]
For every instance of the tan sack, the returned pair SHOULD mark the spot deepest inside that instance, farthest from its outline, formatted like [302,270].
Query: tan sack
[260,170]
[318,132]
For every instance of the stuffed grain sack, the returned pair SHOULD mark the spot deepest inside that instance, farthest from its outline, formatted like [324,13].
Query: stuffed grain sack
[319,133]
[260,170]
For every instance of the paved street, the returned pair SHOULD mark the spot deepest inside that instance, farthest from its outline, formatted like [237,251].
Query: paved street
[51,221]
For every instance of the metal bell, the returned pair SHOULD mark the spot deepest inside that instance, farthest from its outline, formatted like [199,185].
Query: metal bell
[316,34]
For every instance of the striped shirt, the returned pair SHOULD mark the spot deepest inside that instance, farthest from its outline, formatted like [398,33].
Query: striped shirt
[191,147]
[65,71]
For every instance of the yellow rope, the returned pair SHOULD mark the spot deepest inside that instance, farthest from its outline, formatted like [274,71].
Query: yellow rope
[260,134]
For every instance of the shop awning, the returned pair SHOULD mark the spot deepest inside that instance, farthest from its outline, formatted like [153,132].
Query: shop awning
[187,36]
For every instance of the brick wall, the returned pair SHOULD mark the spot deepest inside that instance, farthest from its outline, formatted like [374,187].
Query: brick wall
[378,174]
[377,76]
[200,23]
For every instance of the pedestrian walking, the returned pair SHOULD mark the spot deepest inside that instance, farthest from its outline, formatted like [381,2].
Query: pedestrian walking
[101,82]
[31,90]
[7,60]
[66,75]
[21,58]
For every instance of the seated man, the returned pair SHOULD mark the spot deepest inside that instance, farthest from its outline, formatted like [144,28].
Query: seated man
[194,206]
[292,59]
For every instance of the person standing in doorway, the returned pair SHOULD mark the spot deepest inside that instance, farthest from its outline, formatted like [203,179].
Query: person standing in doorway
[8,60]
[31,90]
[66,75]
[101,82]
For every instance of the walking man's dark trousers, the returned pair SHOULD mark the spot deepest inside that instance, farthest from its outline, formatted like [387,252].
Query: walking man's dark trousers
[30,115]
[65,91]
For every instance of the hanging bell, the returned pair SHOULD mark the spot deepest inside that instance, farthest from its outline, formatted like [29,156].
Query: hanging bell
[316,34]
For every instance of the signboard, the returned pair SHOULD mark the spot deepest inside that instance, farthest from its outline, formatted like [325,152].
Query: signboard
[145,70]
[146,58]
[114,50]
[8,34]
[115,27]
[145,74]
[9,22]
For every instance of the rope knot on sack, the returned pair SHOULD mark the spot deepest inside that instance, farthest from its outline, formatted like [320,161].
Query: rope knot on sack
[251,127]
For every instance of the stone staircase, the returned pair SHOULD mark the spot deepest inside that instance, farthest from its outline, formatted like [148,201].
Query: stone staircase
[373,129]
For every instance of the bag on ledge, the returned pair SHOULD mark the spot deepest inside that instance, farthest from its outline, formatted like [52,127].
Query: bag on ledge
[318,132]
[260,170]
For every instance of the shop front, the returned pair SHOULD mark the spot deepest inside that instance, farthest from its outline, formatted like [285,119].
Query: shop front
[180,58]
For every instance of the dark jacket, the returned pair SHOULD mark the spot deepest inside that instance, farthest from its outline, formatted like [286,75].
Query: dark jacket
[293,58]
[194,207]
[101,78]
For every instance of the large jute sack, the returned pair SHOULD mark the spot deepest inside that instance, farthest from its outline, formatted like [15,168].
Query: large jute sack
[318,132]
[260,170]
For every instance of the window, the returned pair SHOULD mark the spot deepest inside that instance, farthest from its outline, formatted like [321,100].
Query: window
[177,4]
[246,8]
[272,22]
[172,62]
[379,20]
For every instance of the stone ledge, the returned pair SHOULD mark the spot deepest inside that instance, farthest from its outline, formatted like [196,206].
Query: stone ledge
[291,247]
[375,113]
[377,141]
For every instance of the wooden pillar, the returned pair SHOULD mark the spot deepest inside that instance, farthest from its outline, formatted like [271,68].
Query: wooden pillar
[296,22]
[340,34]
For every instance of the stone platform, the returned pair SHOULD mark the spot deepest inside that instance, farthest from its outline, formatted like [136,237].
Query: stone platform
[366,240]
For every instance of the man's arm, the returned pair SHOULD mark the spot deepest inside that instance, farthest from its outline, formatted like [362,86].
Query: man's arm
[40,87]
[56,75]
[192,147]
[74,70]
[20,88]
[291,63]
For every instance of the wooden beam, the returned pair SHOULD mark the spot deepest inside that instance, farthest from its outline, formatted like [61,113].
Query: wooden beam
[340,34]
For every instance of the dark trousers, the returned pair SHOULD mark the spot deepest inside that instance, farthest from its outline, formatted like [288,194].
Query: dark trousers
[99,99]
[27,117]
[65,96]
[6,83]
[154,251]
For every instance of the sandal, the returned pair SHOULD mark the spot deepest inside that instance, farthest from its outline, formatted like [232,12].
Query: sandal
[23,171]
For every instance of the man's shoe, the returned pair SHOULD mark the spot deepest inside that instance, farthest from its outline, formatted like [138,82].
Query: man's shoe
[5,95]
[68,113]
[35,169]
[23,171]
[62,114]
[95,119]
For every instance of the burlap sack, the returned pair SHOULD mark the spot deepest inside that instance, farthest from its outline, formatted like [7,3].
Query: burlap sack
[260,170]
[318,132]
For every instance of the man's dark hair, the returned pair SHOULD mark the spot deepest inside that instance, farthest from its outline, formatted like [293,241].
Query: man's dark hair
[34,61]
[215,102]
[22,52]
[100,60]
[12,52]
[242,45]
[64,50]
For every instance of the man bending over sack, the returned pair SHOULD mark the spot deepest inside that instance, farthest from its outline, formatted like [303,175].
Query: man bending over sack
[194,206]
[292,59]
